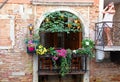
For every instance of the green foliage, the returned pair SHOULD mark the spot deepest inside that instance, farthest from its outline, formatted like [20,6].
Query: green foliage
[64,66]
[87,49]
[60,21]
[35,37]
[65,63]
[69,56]
[52,51]
[87,43]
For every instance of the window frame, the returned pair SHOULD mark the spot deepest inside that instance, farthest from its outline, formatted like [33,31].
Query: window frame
[11,34]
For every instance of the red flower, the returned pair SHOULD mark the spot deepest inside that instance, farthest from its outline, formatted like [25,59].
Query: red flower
[31,49]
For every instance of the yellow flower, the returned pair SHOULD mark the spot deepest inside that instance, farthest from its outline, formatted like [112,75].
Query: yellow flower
[40,46]
[41,50]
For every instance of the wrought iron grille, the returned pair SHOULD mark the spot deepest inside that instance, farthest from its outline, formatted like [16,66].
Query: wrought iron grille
[78,65]
[100,35]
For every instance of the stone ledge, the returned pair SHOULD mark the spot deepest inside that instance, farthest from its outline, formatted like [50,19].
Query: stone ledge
[63,3]
[18,73]
[108,48]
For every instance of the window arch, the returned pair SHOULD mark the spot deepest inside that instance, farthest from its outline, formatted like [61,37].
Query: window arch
[61,21]
[59,38]
[67,9]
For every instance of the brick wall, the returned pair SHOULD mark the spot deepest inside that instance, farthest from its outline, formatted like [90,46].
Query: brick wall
[16,64]
[4,32]
[15,67]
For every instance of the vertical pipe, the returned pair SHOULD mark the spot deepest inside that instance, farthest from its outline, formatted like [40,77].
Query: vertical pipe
[100,52]
[35,57]
[101,6]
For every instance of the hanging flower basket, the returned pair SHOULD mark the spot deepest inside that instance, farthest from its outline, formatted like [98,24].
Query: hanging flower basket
[31,50]
[31,46]
[31,42]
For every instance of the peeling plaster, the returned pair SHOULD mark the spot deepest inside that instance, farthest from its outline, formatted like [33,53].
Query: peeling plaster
[12,36]
[23,11]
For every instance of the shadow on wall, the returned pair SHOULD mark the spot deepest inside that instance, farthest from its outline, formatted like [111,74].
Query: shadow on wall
[115,57]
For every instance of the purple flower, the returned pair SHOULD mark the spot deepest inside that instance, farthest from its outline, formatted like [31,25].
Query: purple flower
[30,42]
[55,58]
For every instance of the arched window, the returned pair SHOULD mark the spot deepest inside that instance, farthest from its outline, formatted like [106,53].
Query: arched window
[61,29]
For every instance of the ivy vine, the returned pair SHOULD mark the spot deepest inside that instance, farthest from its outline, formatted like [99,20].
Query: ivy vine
[61,21]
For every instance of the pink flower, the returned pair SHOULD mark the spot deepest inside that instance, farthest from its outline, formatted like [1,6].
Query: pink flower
[31,49]
[62,52]
[55,58]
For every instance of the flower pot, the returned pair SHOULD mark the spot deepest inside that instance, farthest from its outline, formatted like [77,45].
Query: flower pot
[31,50]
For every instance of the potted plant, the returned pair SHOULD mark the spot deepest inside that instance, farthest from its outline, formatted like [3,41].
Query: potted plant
[87,48]
[31,43]
[30,46]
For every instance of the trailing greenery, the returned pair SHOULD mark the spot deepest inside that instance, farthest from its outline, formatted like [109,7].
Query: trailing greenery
[65,63]
[64,66]
[62,57]
[60,21]
[53,52]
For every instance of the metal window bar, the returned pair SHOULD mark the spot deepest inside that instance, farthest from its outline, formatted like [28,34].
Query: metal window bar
[100,38]
[43,70]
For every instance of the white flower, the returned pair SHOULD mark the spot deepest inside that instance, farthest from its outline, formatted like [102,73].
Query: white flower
[87,43]
[74,51]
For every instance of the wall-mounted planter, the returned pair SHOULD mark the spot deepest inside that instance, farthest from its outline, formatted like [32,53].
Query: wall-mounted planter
[31,46]
[31,50]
